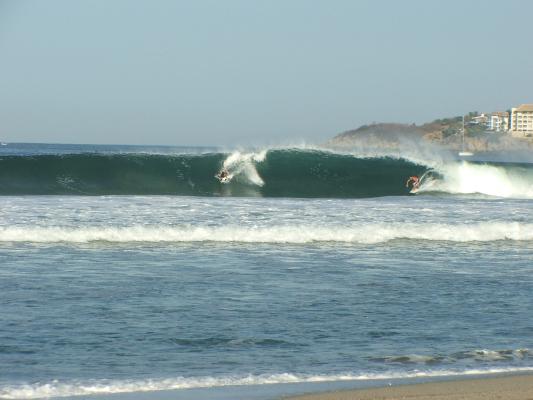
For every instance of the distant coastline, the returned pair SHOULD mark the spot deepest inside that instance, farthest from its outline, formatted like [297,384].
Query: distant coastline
[444,132]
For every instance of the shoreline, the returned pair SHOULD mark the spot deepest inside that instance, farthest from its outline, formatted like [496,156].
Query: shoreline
[514,386]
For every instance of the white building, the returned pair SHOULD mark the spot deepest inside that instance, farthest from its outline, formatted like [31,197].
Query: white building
[480,119]
[522,120]
[498,121]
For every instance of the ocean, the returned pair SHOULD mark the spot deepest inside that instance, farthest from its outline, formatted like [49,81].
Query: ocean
[130,269]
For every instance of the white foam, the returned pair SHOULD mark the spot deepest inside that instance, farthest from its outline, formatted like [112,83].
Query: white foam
[57,388]
[489,355]
[242,165]
[361,233]
[491,180]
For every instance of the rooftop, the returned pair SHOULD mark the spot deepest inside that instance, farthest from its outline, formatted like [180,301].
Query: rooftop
[525,107]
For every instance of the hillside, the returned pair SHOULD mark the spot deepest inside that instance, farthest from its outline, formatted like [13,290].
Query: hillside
[444,132]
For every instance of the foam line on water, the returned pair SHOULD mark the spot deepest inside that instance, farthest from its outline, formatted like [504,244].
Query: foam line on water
[365,233]
[58,388]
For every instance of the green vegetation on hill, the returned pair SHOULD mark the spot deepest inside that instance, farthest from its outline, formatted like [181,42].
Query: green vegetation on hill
[442,129]
[446,132]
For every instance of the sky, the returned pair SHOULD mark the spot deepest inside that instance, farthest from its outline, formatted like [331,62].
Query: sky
[245,72]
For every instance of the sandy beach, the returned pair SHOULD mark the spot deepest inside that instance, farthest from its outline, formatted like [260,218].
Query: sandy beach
[508,387]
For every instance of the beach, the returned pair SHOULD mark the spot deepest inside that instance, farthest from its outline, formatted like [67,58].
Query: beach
[478,387]
[516,387]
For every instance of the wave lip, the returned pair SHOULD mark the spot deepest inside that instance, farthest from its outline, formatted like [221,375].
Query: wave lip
[289,234]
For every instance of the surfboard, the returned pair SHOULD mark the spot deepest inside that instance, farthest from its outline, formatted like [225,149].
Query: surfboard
[224,179]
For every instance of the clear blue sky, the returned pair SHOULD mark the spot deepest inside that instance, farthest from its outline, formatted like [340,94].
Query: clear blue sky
[210,72]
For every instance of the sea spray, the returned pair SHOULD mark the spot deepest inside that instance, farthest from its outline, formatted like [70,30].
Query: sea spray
[499,180]
[241,166]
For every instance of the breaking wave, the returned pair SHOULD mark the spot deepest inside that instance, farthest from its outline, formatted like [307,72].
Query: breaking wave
[500,180]
[272,173]
[58,388]
[268,173]
[296,234]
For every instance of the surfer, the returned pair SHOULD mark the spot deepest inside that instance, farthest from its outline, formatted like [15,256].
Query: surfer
[223,175]
[414,181]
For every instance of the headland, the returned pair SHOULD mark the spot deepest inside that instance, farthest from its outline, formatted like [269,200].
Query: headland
[444,133]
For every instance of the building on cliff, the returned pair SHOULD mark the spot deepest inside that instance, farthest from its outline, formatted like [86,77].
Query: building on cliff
[498,121]
[522,121]
[480,119]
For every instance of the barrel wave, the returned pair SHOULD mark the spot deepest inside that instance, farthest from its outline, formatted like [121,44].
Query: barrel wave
[273,173]
[268,173]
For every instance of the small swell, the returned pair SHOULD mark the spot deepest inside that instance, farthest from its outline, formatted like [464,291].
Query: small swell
[479,356]
[230,342]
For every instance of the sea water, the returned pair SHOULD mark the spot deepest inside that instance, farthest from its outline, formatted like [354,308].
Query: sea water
[128,293]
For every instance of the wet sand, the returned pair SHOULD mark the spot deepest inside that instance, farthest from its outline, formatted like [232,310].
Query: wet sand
[503,388]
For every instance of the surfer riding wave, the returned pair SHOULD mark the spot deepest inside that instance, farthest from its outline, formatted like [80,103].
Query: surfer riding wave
[413,182]
[223,176]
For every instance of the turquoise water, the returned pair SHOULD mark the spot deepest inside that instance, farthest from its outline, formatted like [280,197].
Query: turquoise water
[107,294]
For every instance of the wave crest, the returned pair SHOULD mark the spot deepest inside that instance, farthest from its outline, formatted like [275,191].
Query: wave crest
[290,234]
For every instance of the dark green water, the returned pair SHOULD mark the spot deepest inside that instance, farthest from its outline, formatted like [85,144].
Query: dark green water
[282,173]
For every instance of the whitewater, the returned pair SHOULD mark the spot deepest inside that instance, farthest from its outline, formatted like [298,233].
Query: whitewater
[132,270]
